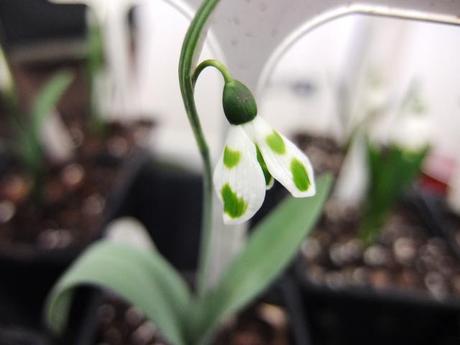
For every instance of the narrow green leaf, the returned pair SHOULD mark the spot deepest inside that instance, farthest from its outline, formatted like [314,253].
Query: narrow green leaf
[141,277]
[48,97]
[391,171]
[268,251]
[30,145]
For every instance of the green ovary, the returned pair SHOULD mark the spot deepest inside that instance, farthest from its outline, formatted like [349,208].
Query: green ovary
[276,143]
[299,175]
[234,206]
[231,157]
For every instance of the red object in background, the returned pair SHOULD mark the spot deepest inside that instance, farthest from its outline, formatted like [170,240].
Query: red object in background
[437,172]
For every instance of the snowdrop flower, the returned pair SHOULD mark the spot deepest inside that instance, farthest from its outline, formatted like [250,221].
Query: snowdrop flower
[254,155]
[413,127]
[413,133]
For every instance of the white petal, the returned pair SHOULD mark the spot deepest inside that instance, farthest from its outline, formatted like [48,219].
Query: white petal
[285,162]
[238,178]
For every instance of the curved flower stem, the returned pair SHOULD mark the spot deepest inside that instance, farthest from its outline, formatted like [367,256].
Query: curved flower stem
[212,63]
[188,54]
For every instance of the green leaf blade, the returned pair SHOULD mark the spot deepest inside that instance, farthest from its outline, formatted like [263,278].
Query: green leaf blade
[141,277]
[268,251]
[391,170]
[48,97]
[29,145]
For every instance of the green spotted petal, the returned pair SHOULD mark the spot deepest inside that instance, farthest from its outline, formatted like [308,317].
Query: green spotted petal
[234,206]
[284,161]
[231,157]
[238,178]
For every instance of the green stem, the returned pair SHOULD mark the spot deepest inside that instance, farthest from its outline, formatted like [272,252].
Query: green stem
[188,54]
[212,63]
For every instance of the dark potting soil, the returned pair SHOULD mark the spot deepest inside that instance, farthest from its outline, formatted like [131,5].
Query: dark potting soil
[325,154]
[67,208]
[404,256]
[452,221]
[120,324]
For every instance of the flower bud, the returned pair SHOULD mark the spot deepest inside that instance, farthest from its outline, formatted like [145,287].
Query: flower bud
[239,103]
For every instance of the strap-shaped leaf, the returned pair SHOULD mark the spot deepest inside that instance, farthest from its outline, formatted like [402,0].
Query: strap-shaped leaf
[141,277]
[268,251]
[29,133]
[48,97]
[391,171]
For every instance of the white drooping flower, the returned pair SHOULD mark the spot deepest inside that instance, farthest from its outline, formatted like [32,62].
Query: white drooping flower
[413,132]
[413,127]
[254,155]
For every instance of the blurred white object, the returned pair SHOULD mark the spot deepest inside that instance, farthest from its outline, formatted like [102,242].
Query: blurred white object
[111,17]
[6,82]
[129,231]
[56,139]
[353,179]
[412,126]
[372,98]
[254,34]
[412,132]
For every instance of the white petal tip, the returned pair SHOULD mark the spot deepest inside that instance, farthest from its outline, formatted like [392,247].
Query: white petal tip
[304,194]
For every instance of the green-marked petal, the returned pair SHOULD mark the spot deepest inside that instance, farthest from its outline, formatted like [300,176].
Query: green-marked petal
[234,206]
[299,175]
[238,178]
[276,143]
[231,157]
[291,168]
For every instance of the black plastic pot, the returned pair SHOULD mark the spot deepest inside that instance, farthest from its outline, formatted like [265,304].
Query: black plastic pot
[27,275]
[361,315]
[20,336]
[284,293]
[43,31]
[166,199]
[31,22]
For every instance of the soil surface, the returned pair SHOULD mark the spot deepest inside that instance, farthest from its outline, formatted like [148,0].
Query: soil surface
[120,324]
[403,257]
[66,208]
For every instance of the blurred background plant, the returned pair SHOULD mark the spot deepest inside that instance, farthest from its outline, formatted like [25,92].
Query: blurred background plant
[394,167]
[25,141]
